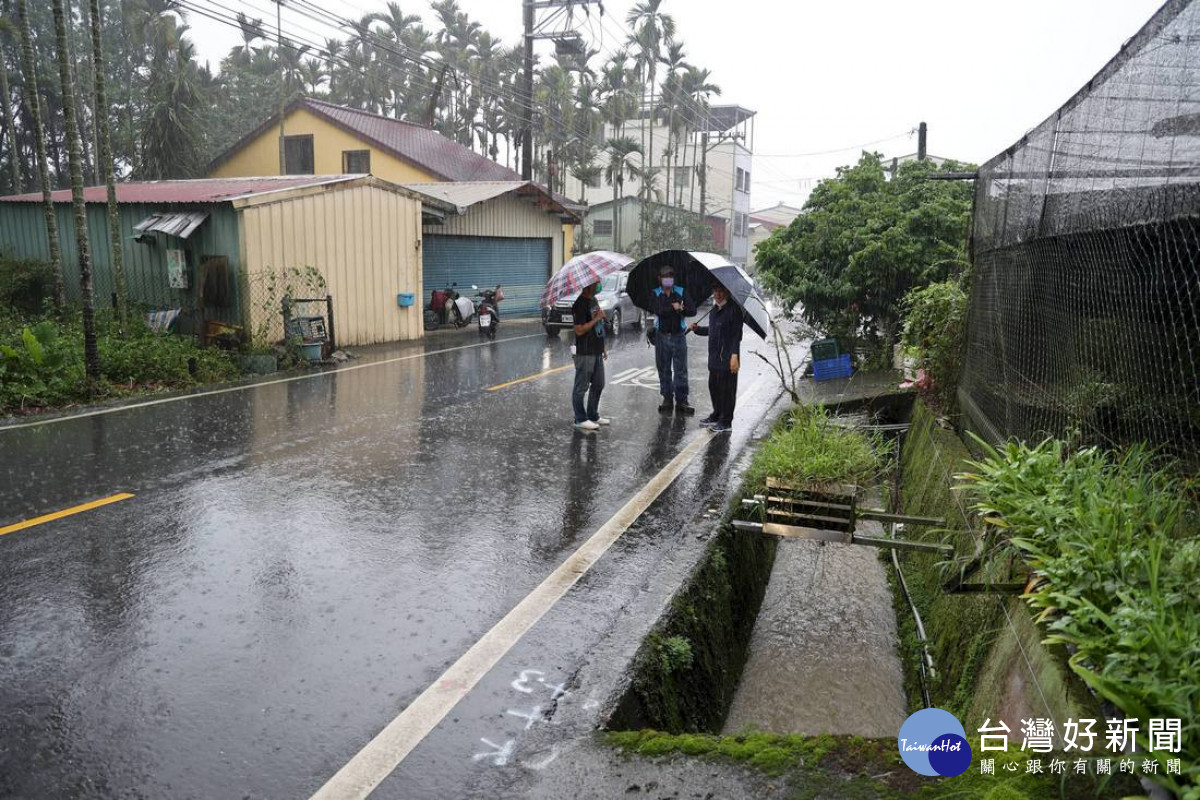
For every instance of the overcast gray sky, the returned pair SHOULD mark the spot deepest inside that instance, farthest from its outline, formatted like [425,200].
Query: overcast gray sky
[830,74]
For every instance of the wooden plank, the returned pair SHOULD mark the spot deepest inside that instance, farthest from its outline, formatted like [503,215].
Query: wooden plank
[812,517]
[815,503]
[830,490]
[798,532]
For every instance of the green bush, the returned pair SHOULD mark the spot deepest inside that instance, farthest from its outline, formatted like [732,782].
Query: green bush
[935,327]
[37,367]
[1111,538]
[41,365]
[810,448]
[26,286]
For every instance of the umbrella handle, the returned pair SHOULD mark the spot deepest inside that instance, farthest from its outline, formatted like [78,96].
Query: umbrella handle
[697,322]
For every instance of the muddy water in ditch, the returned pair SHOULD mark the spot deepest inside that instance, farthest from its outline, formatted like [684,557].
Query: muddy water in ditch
[824,653]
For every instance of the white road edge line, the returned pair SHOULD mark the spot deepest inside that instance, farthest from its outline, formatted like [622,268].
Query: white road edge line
[322,374]
[380,756]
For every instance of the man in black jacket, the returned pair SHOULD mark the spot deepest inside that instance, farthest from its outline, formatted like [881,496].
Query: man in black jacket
[724,332]
[671,306]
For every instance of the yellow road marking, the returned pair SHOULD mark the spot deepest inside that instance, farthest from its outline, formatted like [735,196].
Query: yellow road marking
[380,756]
[66,512]
[498,387]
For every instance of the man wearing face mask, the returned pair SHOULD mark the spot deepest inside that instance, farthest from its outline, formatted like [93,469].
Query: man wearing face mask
[671,307]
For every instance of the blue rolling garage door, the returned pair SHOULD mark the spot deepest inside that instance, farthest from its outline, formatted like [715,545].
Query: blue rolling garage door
[522,266]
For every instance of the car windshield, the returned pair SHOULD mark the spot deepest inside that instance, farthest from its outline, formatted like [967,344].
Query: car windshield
[610,283]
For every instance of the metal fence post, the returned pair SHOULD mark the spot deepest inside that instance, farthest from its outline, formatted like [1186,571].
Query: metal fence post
[330,333]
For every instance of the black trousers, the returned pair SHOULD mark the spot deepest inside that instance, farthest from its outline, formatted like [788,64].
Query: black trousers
[722,388]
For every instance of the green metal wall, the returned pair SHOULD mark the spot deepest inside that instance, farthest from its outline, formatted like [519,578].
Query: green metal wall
[23,235]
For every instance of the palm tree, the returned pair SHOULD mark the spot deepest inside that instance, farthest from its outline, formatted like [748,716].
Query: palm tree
[33,103]
[7,29]
[696,86]
[172,130]
[651,27]
[398,24]
[672,97]
[106,162]
[91,355]
[619,151]
[252,30]
[313,74]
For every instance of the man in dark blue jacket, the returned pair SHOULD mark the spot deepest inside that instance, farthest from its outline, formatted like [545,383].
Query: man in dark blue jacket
[671,306]
[724,332]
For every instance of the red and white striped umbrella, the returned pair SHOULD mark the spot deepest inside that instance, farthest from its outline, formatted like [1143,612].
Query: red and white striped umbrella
[581,272]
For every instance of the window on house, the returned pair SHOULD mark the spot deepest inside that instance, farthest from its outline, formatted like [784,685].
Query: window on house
[602,227]
[746,183]
[740,180]
[298,155]
[356,162]
[683,177]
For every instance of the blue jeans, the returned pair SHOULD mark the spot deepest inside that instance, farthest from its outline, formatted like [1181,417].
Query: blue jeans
[589,372]
[670,357]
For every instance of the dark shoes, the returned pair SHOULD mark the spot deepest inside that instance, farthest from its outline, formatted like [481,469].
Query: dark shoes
[721,427]
[666,405]
[683,408]
[708,421]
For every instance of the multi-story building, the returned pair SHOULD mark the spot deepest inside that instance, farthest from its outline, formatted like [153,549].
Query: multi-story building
[709,172]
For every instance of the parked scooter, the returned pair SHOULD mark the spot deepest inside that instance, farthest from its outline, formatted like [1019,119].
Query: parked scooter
[457,309]
[489,311]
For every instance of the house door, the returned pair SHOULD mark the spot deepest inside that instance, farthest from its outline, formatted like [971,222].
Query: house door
[522,266]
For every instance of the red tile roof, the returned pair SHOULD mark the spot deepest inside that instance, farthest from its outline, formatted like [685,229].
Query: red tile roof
[203,190]
[420,146]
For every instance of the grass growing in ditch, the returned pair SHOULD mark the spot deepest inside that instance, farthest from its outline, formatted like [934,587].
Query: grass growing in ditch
[1112,538]
[809,448]
[834,767]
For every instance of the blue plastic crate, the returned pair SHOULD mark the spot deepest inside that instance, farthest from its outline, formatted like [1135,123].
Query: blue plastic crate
[406,299]
[832,368]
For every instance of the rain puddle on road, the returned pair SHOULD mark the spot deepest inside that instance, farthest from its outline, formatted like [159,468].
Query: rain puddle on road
[823,655]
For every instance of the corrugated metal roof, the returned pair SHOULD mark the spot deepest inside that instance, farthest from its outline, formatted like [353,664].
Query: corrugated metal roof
[180,225]
[204,190]
[463,195]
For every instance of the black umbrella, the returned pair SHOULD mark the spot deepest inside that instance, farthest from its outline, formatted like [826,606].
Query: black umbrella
[691,274]
[743,292]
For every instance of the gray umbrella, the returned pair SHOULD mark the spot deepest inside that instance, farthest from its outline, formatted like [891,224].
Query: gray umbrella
[745,294]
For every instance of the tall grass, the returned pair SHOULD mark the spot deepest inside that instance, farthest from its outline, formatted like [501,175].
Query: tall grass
[1113,541]
[808,448]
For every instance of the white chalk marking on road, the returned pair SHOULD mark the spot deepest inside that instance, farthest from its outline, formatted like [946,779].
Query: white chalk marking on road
[380,756]
[309,376]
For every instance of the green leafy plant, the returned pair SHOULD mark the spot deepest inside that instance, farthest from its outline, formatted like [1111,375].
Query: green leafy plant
[935,328]
[1112,541]
[676,653]
[810,448]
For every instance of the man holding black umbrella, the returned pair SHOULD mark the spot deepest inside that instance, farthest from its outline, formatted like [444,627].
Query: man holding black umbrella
[724,332]
[671,306]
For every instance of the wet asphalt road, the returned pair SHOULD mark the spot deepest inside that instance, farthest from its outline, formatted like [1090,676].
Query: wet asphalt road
[301,559]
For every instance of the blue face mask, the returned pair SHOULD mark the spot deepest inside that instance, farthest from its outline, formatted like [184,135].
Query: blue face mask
[668,283]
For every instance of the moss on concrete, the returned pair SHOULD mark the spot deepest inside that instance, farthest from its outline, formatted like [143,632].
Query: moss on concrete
[686,670]
[979,643]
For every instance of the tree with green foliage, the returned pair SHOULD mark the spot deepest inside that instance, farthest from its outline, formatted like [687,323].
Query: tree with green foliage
[864,241]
